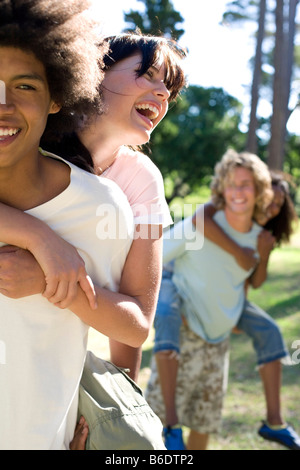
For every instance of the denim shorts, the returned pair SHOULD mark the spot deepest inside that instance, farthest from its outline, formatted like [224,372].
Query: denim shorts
[265,334]
[167,319]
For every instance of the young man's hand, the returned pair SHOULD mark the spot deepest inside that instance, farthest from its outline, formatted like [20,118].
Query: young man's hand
[20,274]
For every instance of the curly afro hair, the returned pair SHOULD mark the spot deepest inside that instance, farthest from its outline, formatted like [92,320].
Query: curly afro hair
[61,35]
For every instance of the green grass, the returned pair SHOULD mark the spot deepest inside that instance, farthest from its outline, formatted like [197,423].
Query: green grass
[185,207]
[244,405]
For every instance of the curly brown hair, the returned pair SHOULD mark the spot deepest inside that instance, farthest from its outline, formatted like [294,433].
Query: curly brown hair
[284,223]
[262,179]
[63,37]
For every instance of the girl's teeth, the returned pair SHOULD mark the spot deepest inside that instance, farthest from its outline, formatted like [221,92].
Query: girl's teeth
[149,107]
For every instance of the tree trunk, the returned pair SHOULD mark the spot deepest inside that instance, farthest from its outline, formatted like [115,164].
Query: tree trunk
[253,123]
[283,64]
[276,141]
[290,55]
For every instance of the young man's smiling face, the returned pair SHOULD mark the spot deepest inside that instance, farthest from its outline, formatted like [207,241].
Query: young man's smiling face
[240,191]
[24,107]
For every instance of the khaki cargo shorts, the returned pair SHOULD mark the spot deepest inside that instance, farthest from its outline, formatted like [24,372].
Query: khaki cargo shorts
[201,383]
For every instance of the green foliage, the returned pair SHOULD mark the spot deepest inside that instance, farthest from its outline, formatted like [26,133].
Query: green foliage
[194,135]
[297,55]
[240,10]
[182,207]
[291,161]
[159,17]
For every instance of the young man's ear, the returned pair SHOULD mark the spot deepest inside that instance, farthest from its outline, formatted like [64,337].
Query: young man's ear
[54,108]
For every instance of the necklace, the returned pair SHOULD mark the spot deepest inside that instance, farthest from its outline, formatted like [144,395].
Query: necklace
[100,171]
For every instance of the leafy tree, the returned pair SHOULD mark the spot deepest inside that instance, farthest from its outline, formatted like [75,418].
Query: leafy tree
[194,136]
[283,64]
[281,25]
[252,144]
[200,127]
[158,18]
[239,12]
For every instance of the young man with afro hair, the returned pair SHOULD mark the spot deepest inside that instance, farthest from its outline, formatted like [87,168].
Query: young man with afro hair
[49,75]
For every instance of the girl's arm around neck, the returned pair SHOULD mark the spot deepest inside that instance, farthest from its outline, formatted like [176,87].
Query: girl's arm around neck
[265,244]
[212,231]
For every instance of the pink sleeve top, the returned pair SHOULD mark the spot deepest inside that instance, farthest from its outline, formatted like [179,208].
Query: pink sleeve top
[141,181]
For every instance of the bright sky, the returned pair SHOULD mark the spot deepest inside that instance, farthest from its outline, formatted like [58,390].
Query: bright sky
[218,55]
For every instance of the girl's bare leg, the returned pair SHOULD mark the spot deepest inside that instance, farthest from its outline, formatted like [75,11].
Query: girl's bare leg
[167,367]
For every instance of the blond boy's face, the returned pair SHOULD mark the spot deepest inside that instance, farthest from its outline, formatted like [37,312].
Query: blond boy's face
[25,104]
[240,192]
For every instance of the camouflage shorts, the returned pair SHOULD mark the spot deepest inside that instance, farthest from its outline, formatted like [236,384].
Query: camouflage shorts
[201,383]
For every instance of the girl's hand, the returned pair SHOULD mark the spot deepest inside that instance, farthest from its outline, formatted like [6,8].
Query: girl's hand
[265,244]
[246,258]
[236,331]
[21,274]
[64,271]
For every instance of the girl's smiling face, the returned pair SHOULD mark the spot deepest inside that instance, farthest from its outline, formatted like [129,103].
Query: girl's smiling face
[277,202]
[275,207]
[134,105]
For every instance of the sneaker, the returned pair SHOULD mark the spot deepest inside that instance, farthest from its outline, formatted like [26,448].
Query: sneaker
[286,436]
[173,438]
